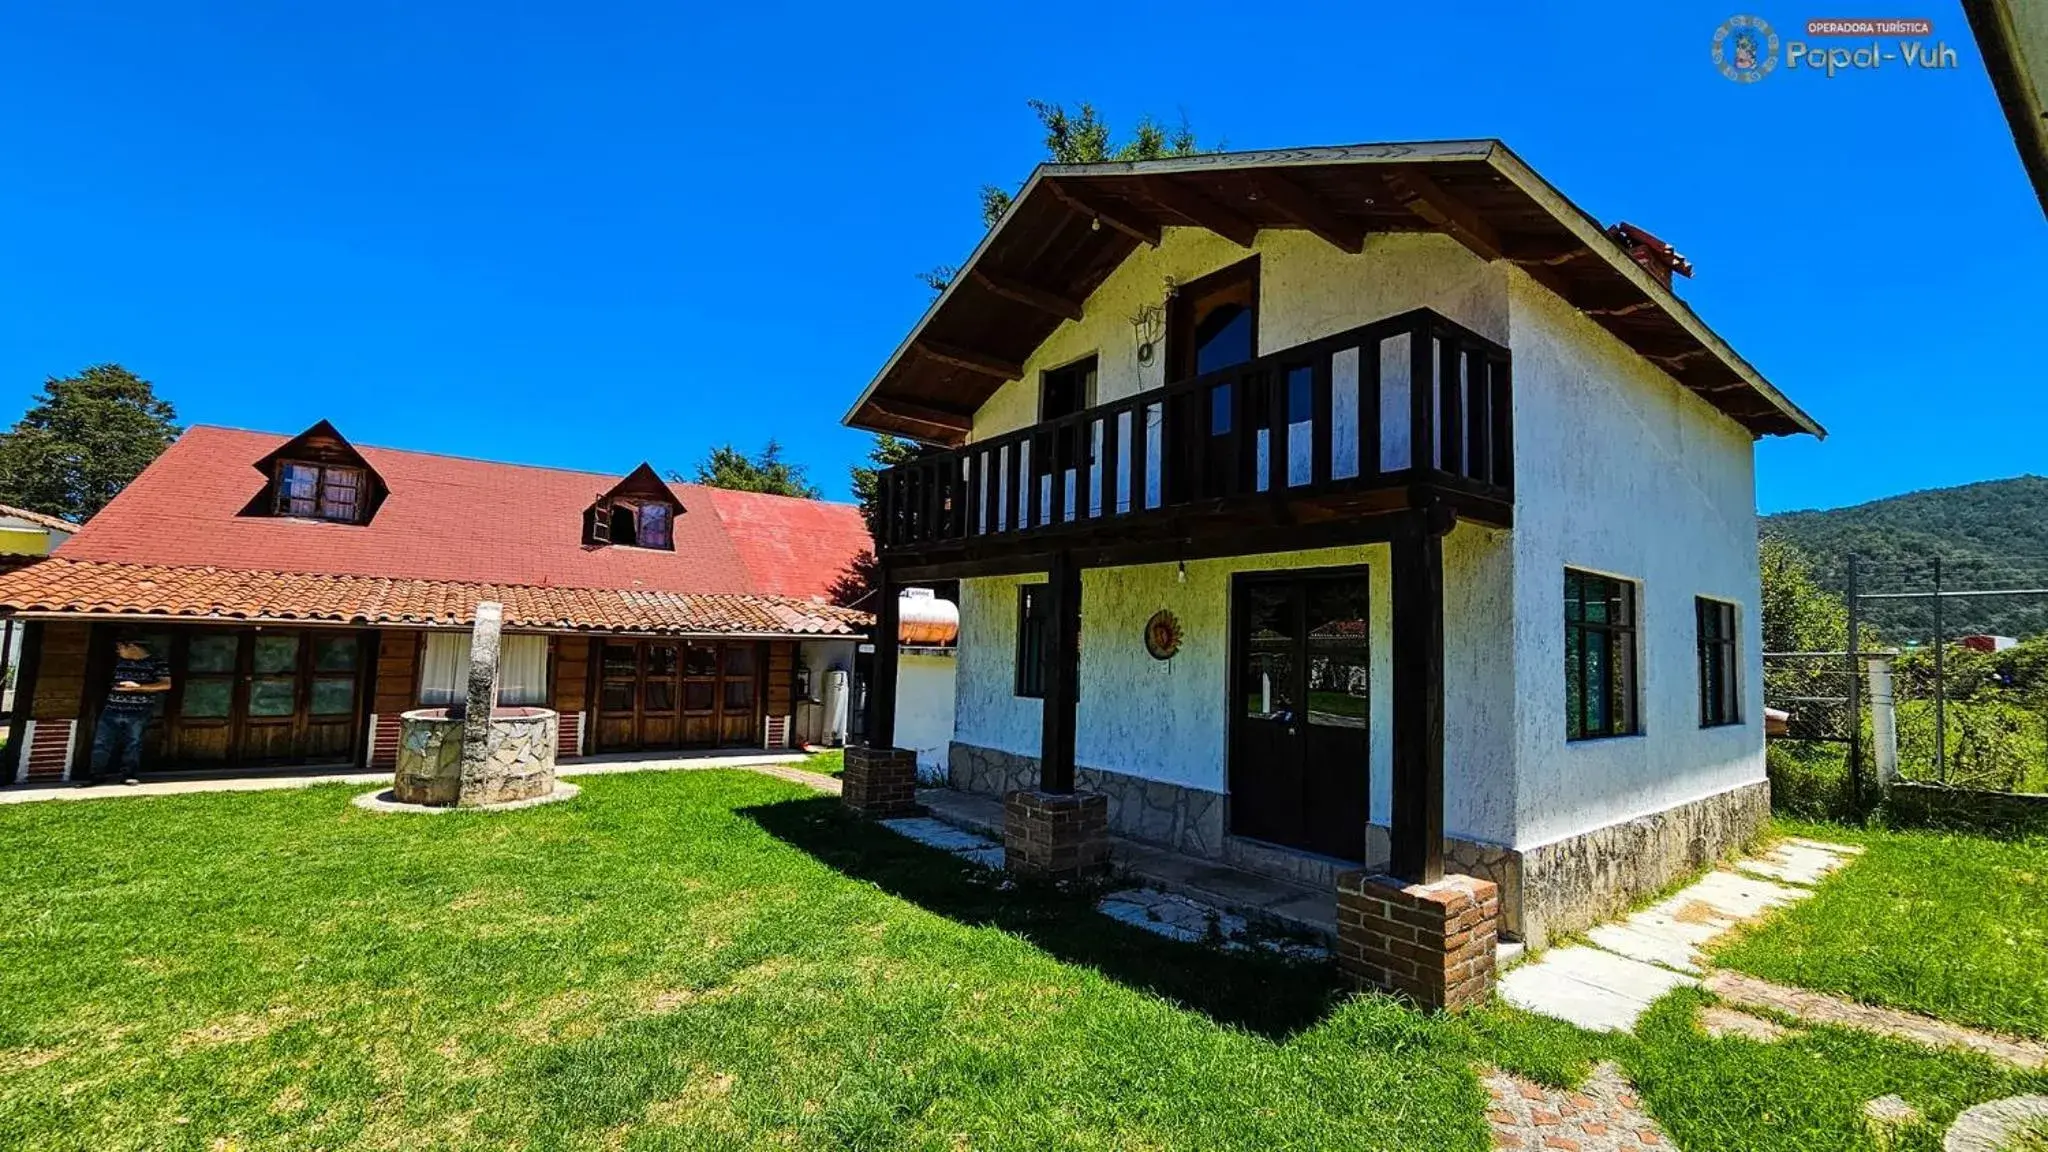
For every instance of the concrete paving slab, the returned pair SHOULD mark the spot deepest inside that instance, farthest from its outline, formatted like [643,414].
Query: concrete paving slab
[1624,977]
[1738,897]
[1624,939]
[1547,991]
[1794,863]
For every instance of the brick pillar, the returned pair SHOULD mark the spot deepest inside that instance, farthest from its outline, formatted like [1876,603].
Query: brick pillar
[1432,943]
[879,781]
[1062,835]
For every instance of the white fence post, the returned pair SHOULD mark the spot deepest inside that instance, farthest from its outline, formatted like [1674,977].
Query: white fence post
[1884,723]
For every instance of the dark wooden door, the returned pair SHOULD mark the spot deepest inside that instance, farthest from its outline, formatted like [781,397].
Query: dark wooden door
[264,697]
[1300,739]
[658,694]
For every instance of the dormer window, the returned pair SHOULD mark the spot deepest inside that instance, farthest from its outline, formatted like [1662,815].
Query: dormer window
[320,491]
[640,512]
[318,475]
[653,525]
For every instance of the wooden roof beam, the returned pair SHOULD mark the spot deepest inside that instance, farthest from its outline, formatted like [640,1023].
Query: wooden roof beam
[1310,211]
[952,424]
[1186,201]
[1030,295]
[1085,203]
[969,360]
[1450,215]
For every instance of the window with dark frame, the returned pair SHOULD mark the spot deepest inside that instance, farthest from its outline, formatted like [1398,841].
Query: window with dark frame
[1719,703]
[1033,633]
[1599,656]
[320,491]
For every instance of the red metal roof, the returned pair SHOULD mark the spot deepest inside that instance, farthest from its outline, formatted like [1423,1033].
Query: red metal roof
[447,521]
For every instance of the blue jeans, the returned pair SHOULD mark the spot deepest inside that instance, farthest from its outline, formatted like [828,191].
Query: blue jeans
[118,734]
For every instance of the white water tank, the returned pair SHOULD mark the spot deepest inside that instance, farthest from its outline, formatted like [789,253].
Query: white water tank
[835,707]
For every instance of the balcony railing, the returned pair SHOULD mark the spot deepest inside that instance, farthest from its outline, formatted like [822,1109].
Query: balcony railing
[1335,415]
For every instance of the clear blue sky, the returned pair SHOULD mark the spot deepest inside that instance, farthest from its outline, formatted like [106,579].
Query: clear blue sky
[606,232]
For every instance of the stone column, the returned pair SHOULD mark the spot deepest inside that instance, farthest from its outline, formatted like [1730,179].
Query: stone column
[879,781]
[1060,835]
[482,699]
[1432,943]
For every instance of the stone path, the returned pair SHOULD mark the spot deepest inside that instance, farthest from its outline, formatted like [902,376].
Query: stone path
[1603,1115]
[938,834]
[1183,918]
[1607,984]
[1994,1127]
[1821,1008]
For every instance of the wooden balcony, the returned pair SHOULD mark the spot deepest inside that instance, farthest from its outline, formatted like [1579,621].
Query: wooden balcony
[1250,458]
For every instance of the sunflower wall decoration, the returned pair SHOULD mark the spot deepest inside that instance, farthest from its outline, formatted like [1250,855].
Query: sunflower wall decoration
[1162,635]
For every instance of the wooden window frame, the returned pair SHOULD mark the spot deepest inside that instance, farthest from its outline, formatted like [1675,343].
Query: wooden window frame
[1089,398]
[1618,637]
[282,499]
[1181,317]
[1716,712]
[1033,633]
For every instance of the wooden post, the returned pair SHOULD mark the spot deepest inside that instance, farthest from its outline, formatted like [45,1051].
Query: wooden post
[881,718]
[1062,655]
[1417,833]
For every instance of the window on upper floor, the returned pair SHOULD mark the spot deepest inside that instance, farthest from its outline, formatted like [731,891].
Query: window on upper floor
[1599,656]
[320,491]
[639,512]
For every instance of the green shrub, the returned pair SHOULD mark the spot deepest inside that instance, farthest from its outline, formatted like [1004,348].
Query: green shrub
[1810,780]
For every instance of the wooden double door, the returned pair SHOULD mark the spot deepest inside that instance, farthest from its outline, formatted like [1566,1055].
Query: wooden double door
[256,697]
[655,694]
[1300,738]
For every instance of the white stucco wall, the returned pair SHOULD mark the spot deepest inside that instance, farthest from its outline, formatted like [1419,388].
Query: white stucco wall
[1619,470]
[1168,720]
[1307,289]
[924,708]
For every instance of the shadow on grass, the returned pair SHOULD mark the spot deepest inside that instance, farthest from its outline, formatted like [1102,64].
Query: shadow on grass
[1254,990]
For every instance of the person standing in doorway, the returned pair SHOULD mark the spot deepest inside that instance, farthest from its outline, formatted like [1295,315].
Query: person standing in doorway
[139,676]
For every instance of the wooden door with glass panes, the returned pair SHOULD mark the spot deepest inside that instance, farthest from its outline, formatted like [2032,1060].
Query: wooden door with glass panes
[264,696]
[659,694]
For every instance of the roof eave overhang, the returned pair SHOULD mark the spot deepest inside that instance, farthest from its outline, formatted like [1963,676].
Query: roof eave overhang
[1493,153]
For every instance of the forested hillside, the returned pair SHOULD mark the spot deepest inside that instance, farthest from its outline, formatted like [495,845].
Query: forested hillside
[1992,534]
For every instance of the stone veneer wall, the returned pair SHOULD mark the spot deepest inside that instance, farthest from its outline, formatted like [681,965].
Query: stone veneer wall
[1186,820]
[520,763]
[1554,889]
[1574,883]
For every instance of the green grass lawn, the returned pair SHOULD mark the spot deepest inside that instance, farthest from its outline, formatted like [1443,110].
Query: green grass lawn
[1950,925]
[725,960]
[828,763]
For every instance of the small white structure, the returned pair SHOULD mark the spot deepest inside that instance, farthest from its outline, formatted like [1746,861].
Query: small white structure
[1340,507]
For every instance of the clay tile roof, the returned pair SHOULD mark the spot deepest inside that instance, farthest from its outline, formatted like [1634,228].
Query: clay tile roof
[64,585]
[46,520]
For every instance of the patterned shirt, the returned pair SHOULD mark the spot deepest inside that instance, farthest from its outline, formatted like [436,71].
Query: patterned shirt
[149,670]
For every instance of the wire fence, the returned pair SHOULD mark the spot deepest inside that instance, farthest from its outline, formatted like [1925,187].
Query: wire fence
[1963,647]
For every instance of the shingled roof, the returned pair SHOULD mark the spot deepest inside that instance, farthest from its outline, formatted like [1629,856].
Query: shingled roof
[179,541]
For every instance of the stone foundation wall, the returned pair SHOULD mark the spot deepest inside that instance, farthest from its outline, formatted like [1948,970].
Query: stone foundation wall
[1559,888]
[1574,883]
[879,781]
[1433,943]
[1186,820]
[1967,809]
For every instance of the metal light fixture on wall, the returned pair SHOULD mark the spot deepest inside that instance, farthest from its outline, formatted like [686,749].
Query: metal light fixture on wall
[1146,325]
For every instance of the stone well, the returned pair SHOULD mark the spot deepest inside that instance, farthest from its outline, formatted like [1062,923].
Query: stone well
[518,762]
